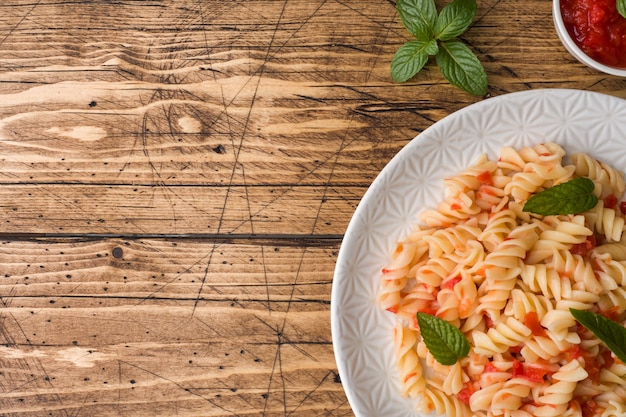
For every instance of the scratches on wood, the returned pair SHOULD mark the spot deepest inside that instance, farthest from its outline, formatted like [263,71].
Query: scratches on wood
[175,180]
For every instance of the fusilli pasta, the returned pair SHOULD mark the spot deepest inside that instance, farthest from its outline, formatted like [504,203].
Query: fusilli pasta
[507,279]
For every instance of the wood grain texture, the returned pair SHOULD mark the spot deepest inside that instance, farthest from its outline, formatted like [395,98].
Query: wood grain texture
[175,180]
[167,328]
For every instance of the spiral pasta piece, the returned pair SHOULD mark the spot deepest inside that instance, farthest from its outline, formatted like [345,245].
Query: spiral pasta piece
[481,399]
[575,267]
[436,400]
[542,280]
[447,241]
[557,395]
[494,293]
[498,227]
[510,396]
[540,347]
[558,322]
[395,277]
[523,184]
[411,373]
[617,251]
[608,180]
[500,338]
[615,298]
[469,180]
[610,270]
[419,298]
[606,221]
[523,302]
[434,271]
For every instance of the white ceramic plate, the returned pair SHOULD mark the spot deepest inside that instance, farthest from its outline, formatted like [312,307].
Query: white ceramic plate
[412,181]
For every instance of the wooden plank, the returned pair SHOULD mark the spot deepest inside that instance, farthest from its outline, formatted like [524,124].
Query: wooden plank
[167,270]
[153,210]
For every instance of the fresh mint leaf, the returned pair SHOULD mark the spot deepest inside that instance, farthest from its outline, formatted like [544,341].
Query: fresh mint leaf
[621,7]
[411,58]
[437,32]
[571,197]
[608,331]
[461,67]
[418,16]
[454,19]
[444,341]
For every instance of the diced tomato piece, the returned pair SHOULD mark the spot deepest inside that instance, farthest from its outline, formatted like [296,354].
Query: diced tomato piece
[607,358]
[431,308]
[583,248]
[455,206]
[518,368]
[485,177]
[535,374]
[592,366]
[572,353]
[595,265]
[489,367]
[487,189]
[531,320]
[610,201]
[590,408]
[449,284]
[622,207]
[393,309]
[530,373]
[465,393]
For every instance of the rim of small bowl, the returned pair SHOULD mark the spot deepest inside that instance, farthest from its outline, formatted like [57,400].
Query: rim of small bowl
[573,49]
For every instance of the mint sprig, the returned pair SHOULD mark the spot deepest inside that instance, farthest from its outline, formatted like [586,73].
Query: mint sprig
[621,7]
[444,341]
[436,35]
[571,197]
[611,333]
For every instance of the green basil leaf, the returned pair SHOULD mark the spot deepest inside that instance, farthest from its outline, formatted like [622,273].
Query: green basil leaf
[608,331]
[571,197]
[461,67]
[418,16]
[444,341]
[454,19]
[621,7]
[411,58]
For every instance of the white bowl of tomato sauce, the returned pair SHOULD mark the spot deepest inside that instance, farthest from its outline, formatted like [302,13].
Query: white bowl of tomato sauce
[593,32]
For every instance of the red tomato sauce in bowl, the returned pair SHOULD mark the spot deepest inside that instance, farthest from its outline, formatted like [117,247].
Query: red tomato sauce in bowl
[597,28]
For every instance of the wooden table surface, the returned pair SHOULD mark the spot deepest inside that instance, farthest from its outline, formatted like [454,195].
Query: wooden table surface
[175,180]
